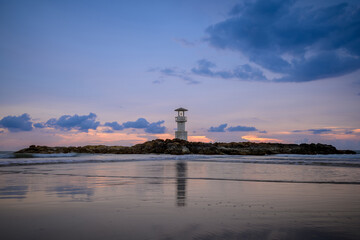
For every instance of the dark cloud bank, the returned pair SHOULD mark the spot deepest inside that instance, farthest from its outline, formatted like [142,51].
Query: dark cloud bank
[298,43]
[78,122]
[303,43]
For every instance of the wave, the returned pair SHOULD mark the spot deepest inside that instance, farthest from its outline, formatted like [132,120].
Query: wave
[4,155]
[50,155]
[12,159]
[231,179]
[41,159]
[195,178]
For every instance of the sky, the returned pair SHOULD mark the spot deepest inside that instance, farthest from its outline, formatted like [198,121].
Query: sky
[108,72]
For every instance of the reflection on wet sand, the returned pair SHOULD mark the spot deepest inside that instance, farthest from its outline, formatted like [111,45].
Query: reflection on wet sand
[78,193]
[181,168]
[136,200]
[13,192]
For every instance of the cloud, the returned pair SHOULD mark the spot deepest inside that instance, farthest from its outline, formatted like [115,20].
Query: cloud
[184,42]
[67,122]
[297,131]
[158,81]
[203,68]
[114,125]
[140,123]
[241,72]
[108,131]
[241,129]
[301,43]
[320,131]
[207,68]
[220,128]
[155,127]
[338,131]
[263,131]
[17,123]
[39,125]
[173,72]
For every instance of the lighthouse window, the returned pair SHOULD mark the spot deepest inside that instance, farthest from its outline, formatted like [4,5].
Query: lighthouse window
[181,114]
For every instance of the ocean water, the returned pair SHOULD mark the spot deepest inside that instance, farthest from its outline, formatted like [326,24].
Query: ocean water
[92,196]
[8,158]
[322,168]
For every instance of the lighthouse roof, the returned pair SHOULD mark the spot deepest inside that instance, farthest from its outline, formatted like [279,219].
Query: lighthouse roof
[181,109]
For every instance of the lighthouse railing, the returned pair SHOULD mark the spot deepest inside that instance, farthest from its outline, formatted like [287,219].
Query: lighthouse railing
[181,119]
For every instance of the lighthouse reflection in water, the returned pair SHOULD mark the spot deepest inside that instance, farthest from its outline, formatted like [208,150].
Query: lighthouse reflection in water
[181,168]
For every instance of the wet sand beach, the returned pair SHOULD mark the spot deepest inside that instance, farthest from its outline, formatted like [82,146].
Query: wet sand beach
[179,199]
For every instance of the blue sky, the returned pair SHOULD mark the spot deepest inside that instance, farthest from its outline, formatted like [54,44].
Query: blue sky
[112,72]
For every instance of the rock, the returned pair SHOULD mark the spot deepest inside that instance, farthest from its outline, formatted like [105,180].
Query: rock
[180,147]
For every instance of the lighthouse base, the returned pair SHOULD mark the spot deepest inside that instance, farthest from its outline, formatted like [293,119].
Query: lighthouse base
[181,135]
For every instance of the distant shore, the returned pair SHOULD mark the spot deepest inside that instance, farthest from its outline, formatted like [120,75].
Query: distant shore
[180,147]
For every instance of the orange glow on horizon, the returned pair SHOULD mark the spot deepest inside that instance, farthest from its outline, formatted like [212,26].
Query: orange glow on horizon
[253,138]
[164,136]
[100,138]
[341,136]
[190,138]
[284,133]
[200,139]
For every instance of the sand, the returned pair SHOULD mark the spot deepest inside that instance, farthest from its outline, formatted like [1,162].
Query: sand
[176,200]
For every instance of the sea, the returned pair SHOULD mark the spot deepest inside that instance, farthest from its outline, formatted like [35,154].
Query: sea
[159,196]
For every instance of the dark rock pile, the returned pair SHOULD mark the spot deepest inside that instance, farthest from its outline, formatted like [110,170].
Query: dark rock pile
[180,147]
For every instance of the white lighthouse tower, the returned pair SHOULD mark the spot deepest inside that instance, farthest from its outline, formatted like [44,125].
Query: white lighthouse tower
[181,120]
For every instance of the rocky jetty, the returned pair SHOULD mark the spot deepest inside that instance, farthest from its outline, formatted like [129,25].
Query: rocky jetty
[180,147]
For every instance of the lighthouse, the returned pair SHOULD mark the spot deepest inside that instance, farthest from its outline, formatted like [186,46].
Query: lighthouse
[181,120]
